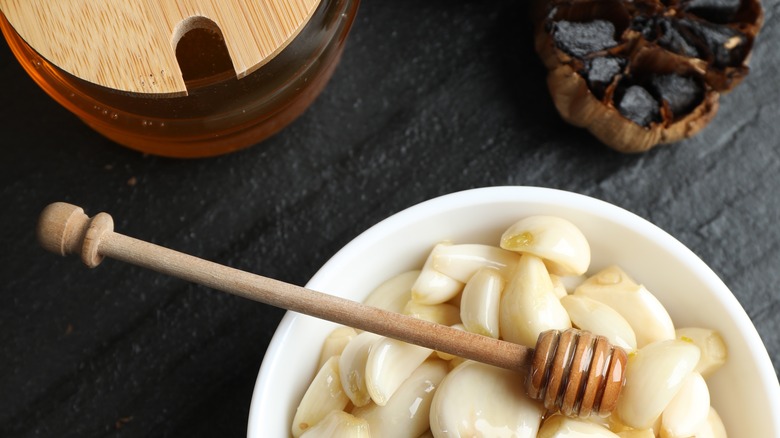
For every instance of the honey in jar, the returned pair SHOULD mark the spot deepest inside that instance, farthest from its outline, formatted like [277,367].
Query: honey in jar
[212,98]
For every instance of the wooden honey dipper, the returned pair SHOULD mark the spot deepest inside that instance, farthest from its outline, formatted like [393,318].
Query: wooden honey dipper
[574,372]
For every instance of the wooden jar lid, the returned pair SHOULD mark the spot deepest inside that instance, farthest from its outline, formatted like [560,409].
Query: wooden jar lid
[131,46]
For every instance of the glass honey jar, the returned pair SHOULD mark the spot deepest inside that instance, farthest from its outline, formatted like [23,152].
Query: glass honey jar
[219,112]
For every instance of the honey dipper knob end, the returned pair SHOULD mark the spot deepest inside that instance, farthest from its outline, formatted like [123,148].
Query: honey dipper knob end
[65,229]
[61,228]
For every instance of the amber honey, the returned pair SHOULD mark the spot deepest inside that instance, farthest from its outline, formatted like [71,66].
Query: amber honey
[219,112]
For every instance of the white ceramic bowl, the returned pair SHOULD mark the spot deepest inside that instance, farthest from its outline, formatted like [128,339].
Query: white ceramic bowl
[745,391]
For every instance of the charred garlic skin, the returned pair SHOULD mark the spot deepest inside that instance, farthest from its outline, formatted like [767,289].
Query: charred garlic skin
[646,72]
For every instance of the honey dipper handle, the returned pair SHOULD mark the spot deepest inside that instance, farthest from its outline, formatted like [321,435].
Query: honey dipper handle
[65,229]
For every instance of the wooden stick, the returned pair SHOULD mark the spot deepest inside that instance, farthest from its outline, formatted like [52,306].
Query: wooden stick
[65,229]
[574,372]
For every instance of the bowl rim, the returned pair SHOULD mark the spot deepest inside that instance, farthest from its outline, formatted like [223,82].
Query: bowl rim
[544,195]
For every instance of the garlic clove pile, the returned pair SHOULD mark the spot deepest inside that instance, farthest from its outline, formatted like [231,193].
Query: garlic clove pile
[654,374]
[529,305]
[559,286]
[560,426]
[407,411]
[335,342]
[461,262]
[600,319]
[646,315]
[352,367]
[431,286]
[323,395]
[557,241]
[688,410]
[713,350]
[480,400]
[340,424]
[393,294]
[390,362]
[480,302]
[713,427]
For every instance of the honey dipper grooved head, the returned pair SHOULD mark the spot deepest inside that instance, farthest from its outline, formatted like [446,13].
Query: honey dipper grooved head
[576,372]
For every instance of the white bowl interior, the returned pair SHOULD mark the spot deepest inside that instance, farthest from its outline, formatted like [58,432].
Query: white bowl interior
[745,391]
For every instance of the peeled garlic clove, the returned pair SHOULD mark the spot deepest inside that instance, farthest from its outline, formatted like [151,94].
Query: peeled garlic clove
[335,342]
[393,294]
[615,425]
[559,287]
[557,241]
[390,362]
[600,319]
[559,426]
[324,394]
[456,362]
[481,400]
[431,286]
[637,433]
[646,315]
[713,350]
[610,278]
[687,410]
[594,417]
[654,374]
[340,424]
[352,367]
[461,262]
[445,314]
[406,413]
[712,427]
[480,302]
[571,282]
[528,304]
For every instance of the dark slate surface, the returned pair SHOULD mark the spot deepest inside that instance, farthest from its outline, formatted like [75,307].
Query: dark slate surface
[431,97]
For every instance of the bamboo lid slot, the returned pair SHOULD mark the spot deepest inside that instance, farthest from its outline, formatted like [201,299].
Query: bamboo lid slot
[131,46]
